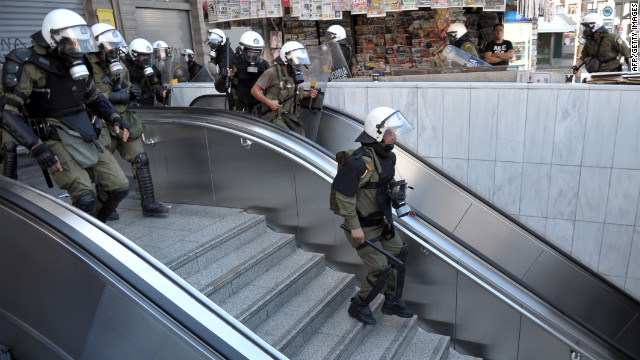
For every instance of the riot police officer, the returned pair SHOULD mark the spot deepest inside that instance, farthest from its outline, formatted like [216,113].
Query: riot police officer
[601,48]
[112,78]
[339,34]
[192,66]
[162,61]
[50,81]
[143,73]
[280,88]
[247,66]
[217,42]
[363,192]
[460,38]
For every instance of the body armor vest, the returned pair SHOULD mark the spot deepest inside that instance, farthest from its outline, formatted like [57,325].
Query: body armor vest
[290,104]
[136,76]
[243,81]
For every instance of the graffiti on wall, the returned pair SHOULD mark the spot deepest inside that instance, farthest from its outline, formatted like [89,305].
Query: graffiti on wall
[11,43]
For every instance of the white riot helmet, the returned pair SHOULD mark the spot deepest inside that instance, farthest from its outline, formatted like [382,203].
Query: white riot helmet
[251,45]
[161,50]
[140,51]
[294,54]
[381,120]
[215,40]
[456,30]
[68,32]
[109,43]
[188,54]
[336,32]
[590,24]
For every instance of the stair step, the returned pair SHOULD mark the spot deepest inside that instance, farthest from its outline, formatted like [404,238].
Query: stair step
[388,339]
[236,269]
[294,322]
[338,337]
[427,346]
[454,355]
[272,289]
[187,243]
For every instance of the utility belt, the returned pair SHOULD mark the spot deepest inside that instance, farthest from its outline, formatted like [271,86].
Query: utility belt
[608,60]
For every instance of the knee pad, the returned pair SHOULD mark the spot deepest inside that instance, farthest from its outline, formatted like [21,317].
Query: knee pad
[141,160]
[86,203]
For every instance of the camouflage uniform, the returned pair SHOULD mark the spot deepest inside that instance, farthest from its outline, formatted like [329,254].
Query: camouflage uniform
[611,46]
[277,84]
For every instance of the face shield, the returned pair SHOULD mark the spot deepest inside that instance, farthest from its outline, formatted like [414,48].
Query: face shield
[110,42]
[161,53]
[75,40]
[298,59]
[214,40]
[395,124]
[252,55]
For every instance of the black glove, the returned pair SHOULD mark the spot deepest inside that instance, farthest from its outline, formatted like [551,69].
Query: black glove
[120,97]
[120,123]
[136,92]
[575,68]
[44,156]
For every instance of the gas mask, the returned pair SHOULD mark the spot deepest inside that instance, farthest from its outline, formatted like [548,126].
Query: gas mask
[143,62]
[296,74]
[77,69]
[398,195]
[111,58]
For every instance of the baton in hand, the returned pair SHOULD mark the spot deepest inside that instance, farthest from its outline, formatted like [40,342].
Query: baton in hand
[376,247]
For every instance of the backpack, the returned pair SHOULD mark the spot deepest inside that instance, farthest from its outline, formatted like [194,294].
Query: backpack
[342,158]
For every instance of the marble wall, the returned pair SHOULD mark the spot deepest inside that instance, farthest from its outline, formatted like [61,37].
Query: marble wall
[561,158]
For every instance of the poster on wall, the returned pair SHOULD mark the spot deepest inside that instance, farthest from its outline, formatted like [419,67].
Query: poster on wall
[494,5]
[408,4]
[376,8]
[439,4]
[473,3]
[295,8]
[341,5]
[425,3]
[391,5]
[273,8]
[455,3]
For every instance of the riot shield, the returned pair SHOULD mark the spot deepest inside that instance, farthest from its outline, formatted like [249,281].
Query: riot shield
[455,57]
[180,70]
[317,75]
[202,76]
[339,68]
[165,66]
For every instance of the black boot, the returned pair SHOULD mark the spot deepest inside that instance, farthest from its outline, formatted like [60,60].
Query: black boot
[111,203]
[147,198]
[395,306]
[114,216]
[361,312]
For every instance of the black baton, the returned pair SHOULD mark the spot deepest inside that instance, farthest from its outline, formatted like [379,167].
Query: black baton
[47,178]
[376,247]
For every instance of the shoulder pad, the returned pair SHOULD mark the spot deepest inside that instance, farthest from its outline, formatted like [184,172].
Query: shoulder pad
[12,68]
[348,177]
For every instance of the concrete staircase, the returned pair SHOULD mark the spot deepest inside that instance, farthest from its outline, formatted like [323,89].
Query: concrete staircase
[287,296]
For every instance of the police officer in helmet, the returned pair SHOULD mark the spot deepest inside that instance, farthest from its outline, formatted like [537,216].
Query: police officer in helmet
[601,48]
[143,73]
[280,88]
[50,81]
[217,42]
[460,38]
[363,192]
[192,66]
[247,66]
[113,81]
[339,34]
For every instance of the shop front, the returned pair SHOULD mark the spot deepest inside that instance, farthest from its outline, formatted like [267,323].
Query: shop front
[387,38]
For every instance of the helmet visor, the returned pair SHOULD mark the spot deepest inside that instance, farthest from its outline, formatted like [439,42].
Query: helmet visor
[299,58]
[214,40]
[75,40]
[396,124]
[110,42]
[252,54]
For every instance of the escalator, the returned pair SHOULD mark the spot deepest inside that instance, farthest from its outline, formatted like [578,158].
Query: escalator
[73,288]
[466,278]
[476,274]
